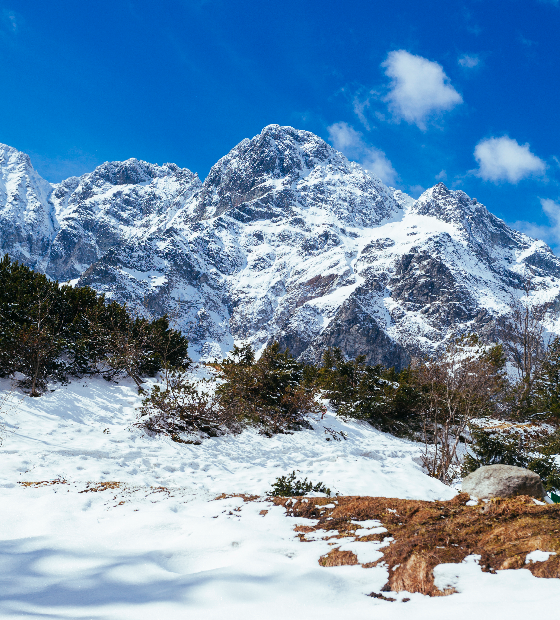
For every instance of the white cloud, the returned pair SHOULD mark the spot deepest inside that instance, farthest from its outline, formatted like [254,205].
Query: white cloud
[419,88]
[504,159]
[11,20]
[550,233]
[416,190]
[469,61]
[346,139]
[360,106]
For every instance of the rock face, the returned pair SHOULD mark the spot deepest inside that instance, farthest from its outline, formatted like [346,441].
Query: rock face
[503,481]
[285,240]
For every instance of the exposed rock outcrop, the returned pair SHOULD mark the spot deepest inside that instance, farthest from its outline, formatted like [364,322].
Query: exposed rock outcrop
[503,481]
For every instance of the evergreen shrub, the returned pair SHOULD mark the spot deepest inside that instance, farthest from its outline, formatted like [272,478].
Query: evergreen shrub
[269,393]
[49,332]
[289,486]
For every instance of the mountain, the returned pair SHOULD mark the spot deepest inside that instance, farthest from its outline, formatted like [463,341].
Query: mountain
[284,240]
[27,219]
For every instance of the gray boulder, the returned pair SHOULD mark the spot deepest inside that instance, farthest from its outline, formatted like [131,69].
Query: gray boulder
[503,481]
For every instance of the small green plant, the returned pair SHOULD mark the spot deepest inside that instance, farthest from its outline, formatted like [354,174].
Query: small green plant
[288,486]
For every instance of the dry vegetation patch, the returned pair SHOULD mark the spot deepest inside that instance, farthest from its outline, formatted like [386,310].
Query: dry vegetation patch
[244,496]
[423,534]
[336,557]
[43,483]
[94,487]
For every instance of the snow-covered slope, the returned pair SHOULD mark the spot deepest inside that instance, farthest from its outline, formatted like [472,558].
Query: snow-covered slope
[85,431]
[285,240]
[154,542]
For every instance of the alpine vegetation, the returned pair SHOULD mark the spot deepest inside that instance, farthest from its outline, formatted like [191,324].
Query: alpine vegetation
[51,333]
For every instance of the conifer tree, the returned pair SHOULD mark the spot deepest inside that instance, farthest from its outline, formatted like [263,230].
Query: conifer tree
[547,383]
[268,392]
[50,332]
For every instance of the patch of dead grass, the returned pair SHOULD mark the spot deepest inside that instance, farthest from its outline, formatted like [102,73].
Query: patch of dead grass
[244,496]
[95,487]
[336,557]
[43,483]
[425,534]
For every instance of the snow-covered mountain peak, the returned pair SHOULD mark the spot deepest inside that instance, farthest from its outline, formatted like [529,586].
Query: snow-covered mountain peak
[133,172]
[283,170]
[17,174]
[452,206]
[285,240]
[27,220]
[473,222]
[10,157]
[117,201]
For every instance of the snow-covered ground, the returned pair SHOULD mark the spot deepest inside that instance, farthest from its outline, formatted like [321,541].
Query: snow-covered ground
[161,546]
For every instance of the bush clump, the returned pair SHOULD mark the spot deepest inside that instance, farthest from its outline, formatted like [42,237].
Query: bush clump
[49,332]
[268,393]
[289,486]
[179,406]
[388,399]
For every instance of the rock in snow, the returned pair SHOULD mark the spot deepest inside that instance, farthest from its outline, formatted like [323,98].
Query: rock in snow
[284,240]
[503,481]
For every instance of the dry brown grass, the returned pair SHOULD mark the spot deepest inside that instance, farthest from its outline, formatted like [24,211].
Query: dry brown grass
[502,532]
[95,487]
[244,496]
[43,483]
[336,557]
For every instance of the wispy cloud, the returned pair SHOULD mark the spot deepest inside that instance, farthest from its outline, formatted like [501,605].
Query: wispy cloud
[504,159]
[469,61]
[550,233]
[11,20]
[419,88]
[526,42]
[360,104]
[346,139]
[55,169]
[416,190]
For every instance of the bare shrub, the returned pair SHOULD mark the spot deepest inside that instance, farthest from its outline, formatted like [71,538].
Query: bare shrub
[456,388]
[523,336]
[179,406]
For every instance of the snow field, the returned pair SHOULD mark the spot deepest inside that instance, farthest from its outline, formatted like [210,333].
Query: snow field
[141,551]
[84,432]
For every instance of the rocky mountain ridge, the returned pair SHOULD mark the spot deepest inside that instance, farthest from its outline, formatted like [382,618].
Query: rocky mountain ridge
[284,240]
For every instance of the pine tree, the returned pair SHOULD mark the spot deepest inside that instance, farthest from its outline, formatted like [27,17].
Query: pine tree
[268,392]
[49,332]
[547,384]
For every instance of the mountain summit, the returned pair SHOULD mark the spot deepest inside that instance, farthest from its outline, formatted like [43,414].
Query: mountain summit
[284,240]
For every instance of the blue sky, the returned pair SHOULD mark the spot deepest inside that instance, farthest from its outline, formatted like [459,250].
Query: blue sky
[462,92]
